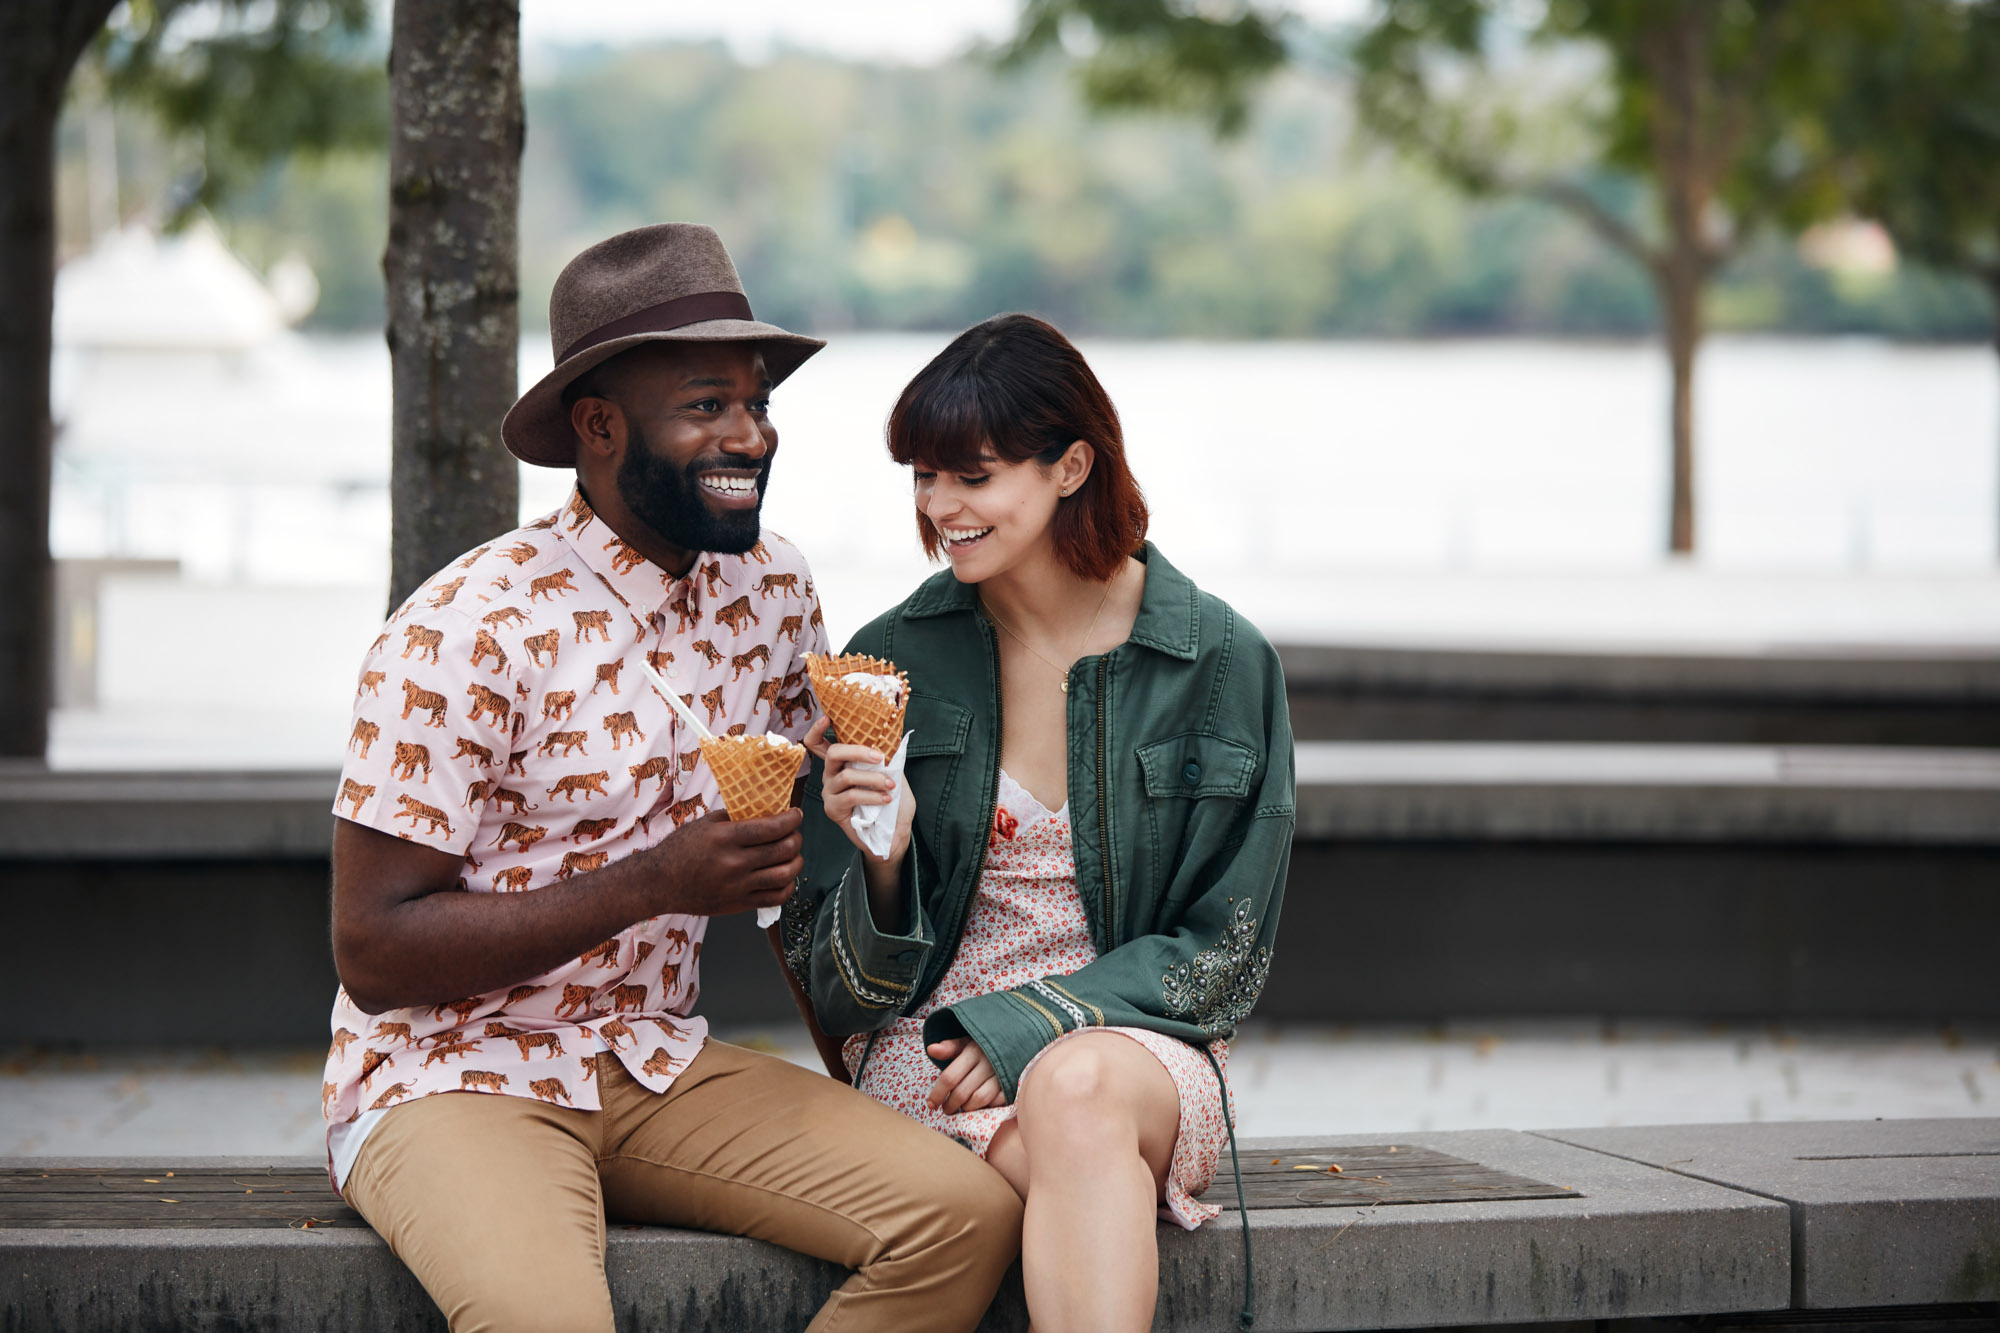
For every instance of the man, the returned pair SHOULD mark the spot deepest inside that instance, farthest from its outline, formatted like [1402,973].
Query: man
[529,848]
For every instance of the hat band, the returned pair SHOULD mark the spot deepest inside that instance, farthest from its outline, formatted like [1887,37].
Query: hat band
[674,314]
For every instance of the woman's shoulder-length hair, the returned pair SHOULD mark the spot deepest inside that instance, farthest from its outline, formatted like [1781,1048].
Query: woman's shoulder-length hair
[1015,385]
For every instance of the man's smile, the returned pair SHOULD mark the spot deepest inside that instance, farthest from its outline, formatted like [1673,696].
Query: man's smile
[735,489]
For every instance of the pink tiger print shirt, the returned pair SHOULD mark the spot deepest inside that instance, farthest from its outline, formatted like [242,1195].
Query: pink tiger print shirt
[503,717]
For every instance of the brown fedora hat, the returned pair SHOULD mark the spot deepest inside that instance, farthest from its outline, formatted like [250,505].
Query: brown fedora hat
[672,282]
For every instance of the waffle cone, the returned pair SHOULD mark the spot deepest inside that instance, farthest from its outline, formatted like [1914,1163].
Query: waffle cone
[755,778]
[860,717]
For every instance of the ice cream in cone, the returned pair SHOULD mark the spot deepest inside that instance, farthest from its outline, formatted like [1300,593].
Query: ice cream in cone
[864,697]
[754,773]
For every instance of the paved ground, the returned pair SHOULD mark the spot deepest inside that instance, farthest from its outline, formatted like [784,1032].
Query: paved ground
[1288,1080]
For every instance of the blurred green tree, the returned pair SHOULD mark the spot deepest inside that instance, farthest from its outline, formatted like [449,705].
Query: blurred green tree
[254,78]
[1921,120]
[1714,106]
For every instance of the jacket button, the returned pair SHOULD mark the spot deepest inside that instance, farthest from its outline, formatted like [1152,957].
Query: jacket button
[1192,773]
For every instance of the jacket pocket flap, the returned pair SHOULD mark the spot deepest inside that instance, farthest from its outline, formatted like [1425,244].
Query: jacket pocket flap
[936,725]
[1196,763]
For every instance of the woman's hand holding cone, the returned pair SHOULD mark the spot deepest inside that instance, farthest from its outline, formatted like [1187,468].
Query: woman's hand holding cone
[844,788]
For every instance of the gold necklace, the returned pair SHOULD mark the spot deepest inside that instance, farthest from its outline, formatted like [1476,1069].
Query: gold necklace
[1031,647]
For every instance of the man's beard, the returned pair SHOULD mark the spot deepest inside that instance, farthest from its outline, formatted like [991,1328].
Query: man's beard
[668,500]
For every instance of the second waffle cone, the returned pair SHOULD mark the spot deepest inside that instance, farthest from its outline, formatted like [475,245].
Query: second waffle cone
[754,777]
[860,716]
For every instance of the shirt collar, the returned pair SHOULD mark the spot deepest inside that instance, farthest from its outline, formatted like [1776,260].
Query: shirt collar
[1169,608]
[636,581]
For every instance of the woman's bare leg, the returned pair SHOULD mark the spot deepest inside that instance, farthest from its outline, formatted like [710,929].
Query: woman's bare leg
[1091,1141]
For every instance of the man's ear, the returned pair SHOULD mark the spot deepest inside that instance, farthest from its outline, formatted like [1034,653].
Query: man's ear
[1073,468]
[599,425]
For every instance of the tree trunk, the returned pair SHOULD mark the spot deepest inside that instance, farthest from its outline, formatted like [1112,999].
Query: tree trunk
[1684,162]
[39,45]
[1680,300]
[1993,291]
[452,269]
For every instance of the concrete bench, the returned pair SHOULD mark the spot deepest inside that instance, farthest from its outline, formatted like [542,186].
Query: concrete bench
[1620,1239]
[1678,1222]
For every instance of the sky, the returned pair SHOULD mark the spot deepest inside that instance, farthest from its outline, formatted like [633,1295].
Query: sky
[905,31]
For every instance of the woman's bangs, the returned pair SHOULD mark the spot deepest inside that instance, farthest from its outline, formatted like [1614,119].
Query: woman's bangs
[942,428]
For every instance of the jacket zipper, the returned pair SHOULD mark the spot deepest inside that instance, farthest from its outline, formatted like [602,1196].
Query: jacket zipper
[1103,823]
[942,958]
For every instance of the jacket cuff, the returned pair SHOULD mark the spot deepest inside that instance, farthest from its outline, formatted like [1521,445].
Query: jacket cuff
[877,968]
[1011,1027]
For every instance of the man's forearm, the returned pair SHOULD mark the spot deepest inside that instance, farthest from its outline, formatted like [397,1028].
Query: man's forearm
[442,946]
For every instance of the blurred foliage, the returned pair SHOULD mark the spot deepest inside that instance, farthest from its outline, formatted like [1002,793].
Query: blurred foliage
[865,196]
[1151,53]
[250,82]
[1922,117]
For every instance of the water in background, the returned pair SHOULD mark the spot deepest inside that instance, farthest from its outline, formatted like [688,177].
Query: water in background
[1478,492]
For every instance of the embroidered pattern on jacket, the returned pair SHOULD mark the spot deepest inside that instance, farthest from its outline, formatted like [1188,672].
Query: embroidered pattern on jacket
[1216,989]
[795,933]
[1061,1002]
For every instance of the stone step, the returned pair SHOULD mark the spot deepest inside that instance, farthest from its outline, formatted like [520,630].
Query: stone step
[1347,791]
[1795,696]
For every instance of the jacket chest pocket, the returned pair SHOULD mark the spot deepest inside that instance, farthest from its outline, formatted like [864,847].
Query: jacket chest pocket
[1196,764]
[938,730]
[1194,782]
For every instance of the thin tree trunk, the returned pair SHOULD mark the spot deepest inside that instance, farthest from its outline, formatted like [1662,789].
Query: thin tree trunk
[39,45]
[1992,276]
[452,268]
[1676,53]
[1680,299]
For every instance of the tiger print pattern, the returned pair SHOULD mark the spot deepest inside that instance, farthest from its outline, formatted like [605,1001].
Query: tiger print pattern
[514,664]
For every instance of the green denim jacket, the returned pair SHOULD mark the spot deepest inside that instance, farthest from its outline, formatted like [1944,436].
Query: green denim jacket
[1180,788]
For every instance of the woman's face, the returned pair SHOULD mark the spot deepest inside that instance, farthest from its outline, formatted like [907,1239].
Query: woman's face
[990,519]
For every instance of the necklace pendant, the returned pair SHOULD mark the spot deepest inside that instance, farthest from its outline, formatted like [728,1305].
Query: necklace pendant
[1065,682]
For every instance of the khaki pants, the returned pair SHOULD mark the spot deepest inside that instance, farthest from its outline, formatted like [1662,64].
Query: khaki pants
[498,1204]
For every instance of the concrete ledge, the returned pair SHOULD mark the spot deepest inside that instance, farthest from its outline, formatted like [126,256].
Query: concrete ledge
[1347,791]
[1898,1212]
[1850,676]
[1850,697]
[1437,791]
[1640,1241]
[153,816]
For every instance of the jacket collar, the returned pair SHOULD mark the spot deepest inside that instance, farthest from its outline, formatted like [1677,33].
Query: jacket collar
[1169,608]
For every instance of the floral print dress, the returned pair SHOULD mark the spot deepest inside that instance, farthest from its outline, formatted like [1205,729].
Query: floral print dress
[1027,922]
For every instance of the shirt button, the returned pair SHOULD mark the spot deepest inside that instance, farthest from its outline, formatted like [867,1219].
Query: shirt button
[1192,773]
[673,671]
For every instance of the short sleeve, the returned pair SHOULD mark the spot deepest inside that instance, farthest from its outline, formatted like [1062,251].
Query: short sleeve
[421,753]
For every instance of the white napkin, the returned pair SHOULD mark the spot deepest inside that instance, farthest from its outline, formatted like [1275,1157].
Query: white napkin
[876,824]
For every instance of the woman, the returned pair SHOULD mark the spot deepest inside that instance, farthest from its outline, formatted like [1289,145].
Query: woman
[1079,901]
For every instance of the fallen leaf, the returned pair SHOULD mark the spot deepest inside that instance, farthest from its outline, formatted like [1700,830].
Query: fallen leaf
[150,1181]
[1274,1162]
[170,1201]
[170,1175]
[1333,1169]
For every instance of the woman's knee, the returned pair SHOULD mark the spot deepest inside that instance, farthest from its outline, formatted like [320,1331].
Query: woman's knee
[1074,1102]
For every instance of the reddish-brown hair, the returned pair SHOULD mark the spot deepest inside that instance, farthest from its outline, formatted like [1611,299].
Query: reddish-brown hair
[1015,385]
